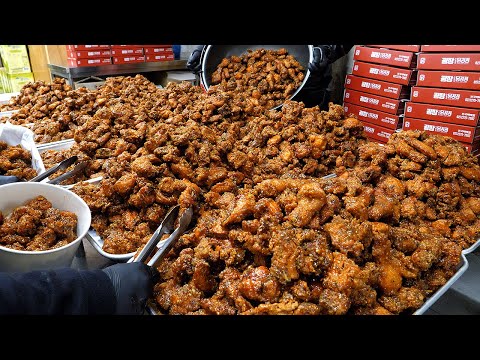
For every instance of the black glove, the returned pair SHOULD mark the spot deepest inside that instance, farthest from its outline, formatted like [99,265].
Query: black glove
[193,62]
[133,285]
[320,60]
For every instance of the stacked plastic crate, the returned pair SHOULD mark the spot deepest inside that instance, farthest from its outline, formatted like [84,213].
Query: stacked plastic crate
[379,85]
[446,98]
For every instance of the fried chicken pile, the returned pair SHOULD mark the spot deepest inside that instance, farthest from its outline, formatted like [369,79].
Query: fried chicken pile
[50,110]
[37,226]
[269,235]
[344,245]
[192,148]
[260,77]
[297,142]
[16,161]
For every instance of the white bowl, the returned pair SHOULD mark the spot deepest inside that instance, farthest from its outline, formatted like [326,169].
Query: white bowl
[16,194]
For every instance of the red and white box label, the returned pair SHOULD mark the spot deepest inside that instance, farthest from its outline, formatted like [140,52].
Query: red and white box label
[376,102]
[403,59]
[89,62]
[374,116]
[442,113]
[87,47]
[156,50]
[159,57]
[412,48]
[131,51]
[384,73]
[451,97]
[465,134]
[377,132]
[85,54]
[377,87]
[451,48]
[449,61]
[128,59]
[449,79]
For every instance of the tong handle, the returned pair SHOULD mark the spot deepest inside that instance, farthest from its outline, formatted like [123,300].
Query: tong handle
[184,222]
[150,245]
[164,228]
[61,165]
[79,167]
[165,247]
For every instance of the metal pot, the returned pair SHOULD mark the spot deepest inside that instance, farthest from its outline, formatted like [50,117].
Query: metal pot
[214,54]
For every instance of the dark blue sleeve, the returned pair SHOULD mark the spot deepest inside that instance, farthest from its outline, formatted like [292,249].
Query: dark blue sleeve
[59,291]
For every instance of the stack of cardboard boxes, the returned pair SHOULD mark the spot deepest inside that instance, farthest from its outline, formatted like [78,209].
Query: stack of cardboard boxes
[379,85]
[446,98]
[16,71]
[88,55]
[96,55]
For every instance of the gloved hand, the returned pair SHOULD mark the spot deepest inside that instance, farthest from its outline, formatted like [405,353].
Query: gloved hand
[320,60]
[193,62]
[133,284]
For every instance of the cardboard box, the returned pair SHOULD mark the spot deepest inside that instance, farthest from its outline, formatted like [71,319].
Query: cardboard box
[449,79]
[404,59]
[127,51]
[474,148]
[156,50]
[377,87]
[4,81]
[159,57]
[447,48]
[450,97]
[87,47]
[18,81]
[89,62]
[128,59]
[86,54]
[15,59]
[449,61]
[377,132]
[374,116]
[465,134]
[412,48]
[385,73]
[442,113]
[376,102]
[124,46]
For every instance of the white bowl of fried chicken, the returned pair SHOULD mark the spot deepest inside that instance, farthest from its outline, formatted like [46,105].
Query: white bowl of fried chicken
[41,226]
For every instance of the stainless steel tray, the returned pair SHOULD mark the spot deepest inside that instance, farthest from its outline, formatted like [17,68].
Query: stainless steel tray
[56,145]
[8,113]
[462,267]
[97,243]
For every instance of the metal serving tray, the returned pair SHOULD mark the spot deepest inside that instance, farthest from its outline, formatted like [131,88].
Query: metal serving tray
[462,267]
[97,243]
[56,145]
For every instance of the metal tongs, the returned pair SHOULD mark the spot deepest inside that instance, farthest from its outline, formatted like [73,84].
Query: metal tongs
[62,165]
[166,227]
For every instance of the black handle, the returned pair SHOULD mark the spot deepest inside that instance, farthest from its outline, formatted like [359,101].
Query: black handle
[8,179]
